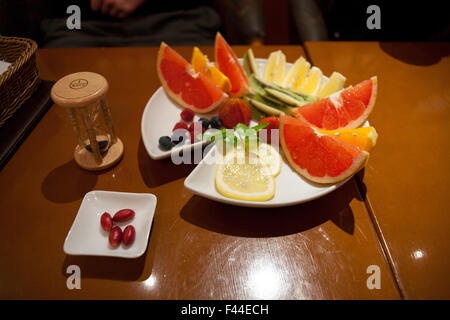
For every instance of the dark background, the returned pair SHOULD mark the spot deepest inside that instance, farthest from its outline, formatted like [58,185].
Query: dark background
[279,22]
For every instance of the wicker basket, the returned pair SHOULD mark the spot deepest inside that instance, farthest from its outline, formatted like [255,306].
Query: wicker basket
[21,78]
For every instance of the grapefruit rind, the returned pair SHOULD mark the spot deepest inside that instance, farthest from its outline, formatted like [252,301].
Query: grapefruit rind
[178,98]
[239,81]
[358,163]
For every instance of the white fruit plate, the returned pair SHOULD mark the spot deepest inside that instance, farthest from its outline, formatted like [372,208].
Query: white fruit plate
[290,187]
[161,114]
[159,117]
[86,236]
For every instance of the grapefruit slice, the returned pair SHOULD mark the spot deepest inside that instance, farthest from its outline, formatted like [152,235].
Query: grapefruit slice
[182,84]
[346,109]
[318,157]
[228,63]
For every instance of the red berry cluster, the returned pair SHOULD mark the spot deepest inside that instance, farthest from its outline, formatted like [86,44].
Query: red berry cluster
[187,115]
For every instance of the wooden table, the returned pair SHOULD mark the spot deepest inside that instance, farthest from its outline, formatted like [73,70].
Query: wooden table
[407,178]
[198,249]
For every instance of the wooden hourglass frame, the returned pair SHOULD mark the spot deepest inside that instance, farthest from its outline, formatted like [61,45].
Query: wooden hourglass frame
[80,93]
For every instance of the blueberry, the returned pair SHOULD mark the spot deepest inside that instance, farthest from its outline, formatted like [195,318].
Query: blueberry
[205,122]
[178,136]
[215,123]
[165,143]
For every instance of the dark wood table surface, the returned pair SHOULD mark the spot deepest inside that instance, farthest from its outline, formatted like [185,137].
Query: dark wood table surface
[407,180]
[201,249]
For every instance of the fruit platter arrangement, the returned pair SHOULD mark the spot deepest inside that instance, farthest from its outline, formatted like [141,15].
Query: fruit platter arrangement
[278,133]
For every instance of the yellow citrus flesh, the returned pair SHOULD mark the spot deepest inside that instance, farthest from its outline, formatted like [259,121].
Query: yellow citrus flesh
[312,83]
[220,79]
[275,67]
[200,63]
[243,176]
[297,74]
[335,83]
[364,138]
[270,157]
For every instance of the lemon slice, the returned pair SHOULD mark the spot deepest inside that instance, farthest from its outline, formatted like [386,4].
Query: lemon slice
[335,83]
[244,176]
[275,67]
[312,83]
[270,157]
[296,74]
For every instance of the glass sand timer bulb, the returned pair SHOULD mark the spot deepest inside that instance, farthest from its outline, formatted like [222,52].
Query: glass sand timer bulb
[83,94]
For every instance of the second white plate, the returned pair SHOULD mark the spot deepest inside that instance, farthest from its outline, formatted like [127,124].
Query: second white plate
[290,187]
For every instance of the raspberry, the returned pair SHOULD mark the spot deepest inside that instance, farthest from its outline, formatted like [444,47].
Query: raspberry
[194,133]
[187,115]
[193,137]
[180,125]
[191,127]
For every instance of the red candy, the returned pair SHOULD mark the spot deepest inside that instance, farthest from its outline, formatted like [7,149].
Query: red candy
[115,236]
[106,221]
[123,215]
[128,235]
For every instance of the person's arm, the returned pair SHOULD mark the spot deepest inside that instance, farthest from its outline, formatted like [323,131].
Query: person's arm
[116,8]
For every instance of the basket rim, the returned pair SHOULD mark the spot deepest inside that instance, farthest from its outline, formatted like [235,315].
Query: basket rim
[18,63]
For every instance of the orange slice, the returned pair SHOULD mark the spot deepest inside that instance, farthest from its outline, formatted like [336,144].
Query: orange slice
[200,63]
[364,138]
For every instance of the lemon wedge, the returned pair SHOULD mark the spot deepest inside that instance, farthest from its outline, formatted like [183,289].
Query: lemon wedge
[297,74]
[312,83]
[244,176]
[335,83]
[275,67]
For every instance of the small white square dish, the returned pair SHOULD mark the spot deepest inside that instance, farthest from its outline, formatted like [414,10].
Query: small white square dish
[86,236]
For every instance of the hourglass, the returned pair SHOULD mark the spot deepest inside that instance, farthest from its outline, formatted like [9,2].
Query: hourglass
[83,95]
